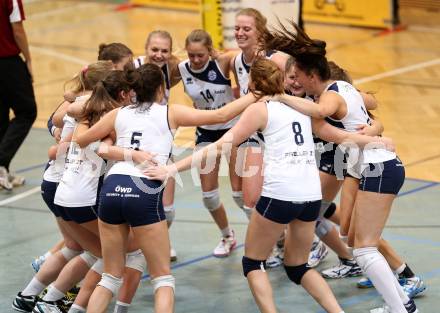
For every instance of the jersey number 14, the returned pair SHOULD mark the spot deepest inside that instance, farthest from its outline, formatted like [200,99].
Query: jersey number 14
[207,95]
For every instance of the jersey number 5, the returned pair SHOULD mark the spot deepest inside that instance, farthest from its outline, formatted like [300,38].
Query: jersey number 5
[299,139]
[135,143]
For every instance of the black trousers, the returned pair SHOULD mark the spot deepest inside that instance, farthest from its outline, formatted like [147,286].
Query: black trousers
[16,94]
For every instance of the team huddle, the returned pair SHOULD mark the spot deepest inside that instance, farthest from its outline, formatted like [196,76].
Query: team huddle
[295,132]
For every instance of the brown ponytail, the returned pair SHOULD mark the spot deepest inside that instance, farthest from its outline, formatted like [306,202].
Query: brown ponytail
[309,53]
[106,96]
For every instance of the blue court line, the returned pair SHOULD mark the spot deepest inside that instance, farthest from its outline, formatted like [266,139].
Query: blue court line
[429,185]
[420,180]
[30,168]
[413,240]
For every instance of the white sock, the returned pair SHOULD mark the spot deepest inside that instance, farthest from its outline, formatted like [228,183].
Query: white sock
[34,288]
[53,294]
[403,296]
[75,308]
[226,232]
[378,271]
[121,307]
[47,255]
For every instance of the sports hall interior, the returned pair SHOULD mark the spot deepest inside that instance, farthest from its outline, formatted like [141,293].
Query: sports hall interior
[401,66]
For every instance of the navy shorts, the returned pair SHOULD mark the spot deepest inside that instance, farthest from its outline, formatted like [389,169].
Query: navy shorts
[207,136]
[63,212]
[48,190]
[136,201]
[387,177]
[283,212]
[81,214]
[329,163]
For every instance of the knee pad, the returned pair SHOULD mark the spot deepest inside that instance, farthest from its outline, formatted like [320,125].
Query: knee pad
[324,206]
[163,281]
[136,261]
[89,258]
[323,227]
[238,198]
[69,254]
[98,267]
[111,283]
[211,200]
[248,211]
[330,210]
[250,265]
[170,213]
[296,273]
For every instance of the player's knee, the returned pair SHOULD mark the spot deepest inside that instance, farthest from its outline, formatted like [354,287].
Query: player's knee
[296,273]
[323,228]
[69,254]
[136,261]
[211,200]
[89,258]
[324,206]
[250,265]
[330,210]
[111,283]
[164,281]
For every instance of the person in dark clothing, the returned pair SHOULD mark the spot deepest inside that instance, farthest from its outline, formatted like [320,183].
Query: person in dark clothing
[16,91]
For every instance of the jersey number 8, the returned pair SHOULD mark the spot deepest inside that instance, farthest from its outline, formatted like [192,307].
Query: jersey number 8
[299,139]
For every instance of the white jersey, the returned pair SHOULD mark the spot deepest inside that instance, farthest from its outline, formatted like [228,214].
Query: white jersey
[142,129]
[166,73]
[356,115]
[79,183]
[54,172]
[208,88]
[290,171]
[242,70]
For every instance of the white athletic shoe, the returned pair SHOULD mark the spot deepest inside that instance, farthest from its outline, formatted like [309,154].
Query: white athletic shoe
[317,254]
[345,268]
[275,259]
[16,180]
[225,246]
[413,286]
[4,179]
[173,255]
